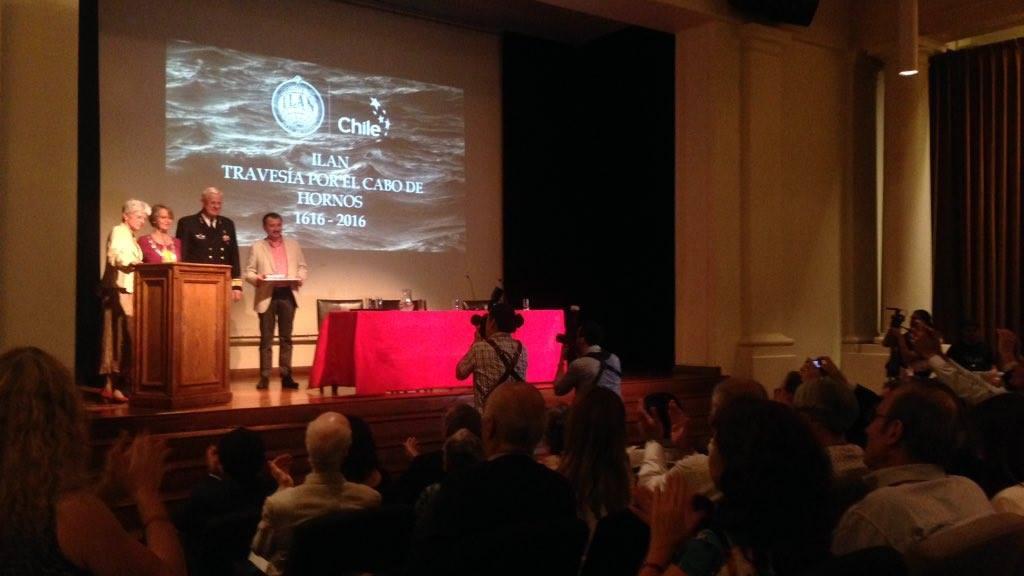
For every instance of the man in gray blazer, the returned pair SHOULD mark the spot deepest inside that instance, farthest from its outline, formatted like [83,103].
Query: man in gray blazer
[277,269]
[328,439]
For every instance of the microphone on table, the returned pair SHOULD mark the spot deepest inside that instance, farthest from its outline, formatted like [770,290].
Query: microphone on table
[472,292]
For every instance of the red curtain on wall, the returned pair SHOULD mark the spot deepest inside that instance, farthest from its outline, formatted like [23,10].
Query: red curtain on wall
[976,157]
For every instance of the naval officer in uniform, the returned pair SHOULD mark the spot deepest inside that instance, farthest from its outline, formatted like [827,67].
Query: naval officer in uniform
[209,238]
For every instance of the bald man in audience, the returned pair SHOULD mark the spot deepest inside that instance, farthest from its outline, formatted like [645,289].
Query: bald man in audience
[328,439]
[911,439]
[510,489]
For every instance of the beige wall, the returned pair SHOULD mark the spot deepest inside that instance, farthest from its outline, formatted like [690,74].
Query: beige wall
[775,196]
[38,181]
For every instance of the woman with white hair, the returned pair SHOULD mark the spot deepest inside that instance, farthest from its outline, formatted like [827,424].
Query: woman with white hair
[123,253]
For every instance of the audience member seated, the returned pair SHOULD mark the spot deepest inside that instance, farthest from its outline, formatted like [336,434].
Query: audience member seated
[594,460]
[461,450]
[970,350]
[53,522]
[784,394]
[593,368]
[219,519]
[509,513]
[328,439]
[972,388]
[350,542]
[774,478]
[618,545]
[654,470]
[495,357]
[1010,361]
[902,354]
[867,399]
[361,465]
[428,467]
[830,408]
[553,442]
[877,561]
[912,438]
[998,431]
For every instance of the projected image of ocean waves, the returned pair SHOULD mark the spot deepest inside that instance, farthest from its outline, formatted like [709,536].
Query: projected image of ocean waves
[219,112]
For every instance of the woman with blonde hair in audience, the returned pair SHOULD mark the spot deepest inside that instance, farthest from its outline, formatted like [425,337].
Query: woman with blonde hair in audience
[594,456]
[123,253]
[52,522]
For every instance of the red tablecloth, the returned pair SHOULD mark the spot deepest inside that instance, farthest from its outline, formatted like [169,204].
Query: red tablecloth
[380,351]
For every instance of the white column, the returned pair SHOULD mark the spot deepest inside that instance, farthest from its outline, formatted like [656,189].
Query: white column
[709,250]
[764,353]
[906,203]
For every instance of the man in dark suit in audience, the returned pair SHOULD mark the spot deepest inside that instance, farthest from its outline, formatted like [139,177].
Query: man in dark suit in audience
[507,514]
[218,520]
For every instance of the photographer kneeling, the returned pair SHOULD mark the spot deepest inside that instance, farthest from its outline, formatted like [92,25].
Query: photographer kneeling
[495,357]
[594,367]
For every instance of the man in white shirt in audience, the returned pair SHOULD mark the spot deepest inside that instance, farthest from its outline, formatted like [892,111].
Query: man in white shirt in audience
[594,366]
[912,437]
[328,439]
[971,386]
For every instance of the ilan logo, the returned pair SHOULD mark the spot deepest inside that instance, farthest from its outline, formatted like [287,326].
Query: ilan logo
[378,127]
[298,107]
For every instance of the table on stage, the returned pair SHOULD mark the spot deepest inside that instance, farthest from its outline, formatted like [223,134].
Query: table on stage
[383,351]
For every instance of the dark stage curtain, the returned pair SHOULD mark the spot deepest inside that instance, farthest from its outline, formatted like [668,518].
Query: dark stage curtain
[589,185]
[976,133]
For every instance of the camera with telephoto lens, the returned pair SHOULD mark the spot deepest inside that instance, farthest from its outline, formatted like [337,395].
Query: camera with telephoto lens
[480,321]
[897,318]
[568,338]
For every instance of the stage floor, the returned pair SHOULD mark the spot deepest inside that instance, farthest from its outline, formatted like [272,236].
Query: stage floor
[243,395]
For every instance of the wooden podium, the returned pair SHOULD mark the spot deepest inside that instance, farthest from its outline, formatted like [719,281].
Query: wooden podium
[181,335]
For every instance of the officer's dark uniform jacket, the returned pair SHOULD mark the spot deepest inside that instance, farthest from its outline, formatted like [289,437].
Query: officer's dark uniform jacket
[204,244]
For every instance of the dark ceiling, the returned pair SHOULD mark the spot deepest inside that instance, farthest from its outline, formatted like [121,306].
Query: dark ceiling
[496,16]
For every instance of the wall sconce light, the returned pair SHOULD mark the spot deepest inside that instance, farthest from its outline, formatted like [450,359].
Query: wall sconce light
[906,56]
